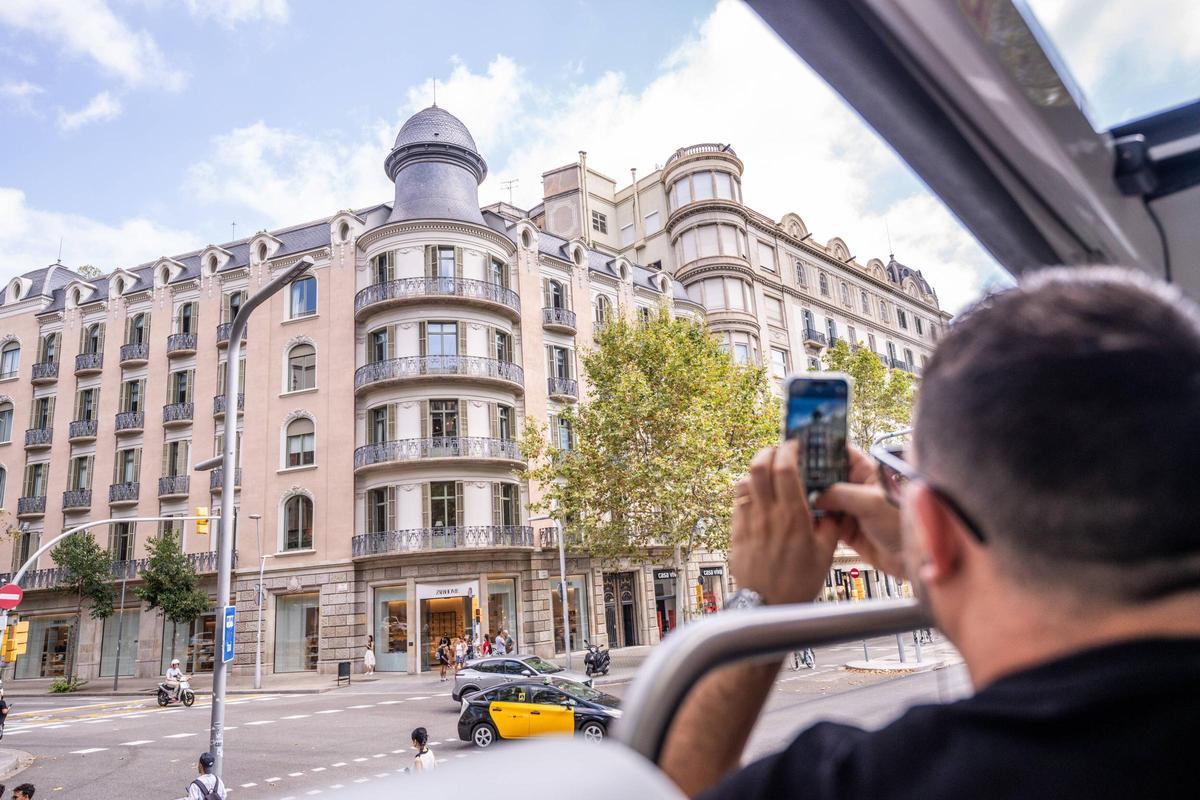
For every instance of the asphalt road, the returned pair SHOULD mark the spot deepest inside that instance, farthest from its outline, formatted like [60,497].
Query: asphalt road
[292,746]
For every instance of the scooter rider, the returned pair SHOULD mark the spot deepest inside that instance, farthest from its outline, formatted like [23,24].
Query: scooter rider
[174,676]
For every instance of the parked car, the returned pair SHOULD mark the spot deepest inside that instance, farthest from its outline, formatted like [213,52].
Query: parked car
[484,673]
[532,707]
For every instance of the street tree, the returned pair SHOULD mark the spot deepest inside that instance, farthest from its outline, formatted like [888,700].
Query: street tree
[170,582]
[85,573]
[669,424]
[882,398]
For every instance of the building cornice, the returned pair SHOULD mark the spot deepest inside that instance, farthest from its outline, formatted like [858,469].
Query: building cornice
[431,225]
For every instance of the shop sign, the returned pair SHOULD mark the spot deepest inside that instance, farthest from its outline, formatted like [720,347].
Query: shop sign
[664,574]
[429,591]
[709,572]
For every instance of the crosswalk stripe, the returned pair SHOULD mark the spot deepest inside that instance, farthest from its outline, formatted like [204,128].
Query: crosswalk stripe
[179,735]
[88,750]
[136,742]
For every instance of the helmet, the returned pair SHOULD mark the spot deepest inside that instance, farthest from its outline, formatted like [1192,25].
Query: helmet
[174,662]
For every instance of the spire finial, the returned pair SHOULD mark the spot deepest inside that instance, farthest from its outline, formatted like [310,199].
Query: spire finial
[435,92]
[891,252]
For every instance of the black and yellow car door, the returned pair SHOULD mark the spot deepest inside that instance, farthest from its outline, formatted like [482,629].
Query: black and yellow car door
[509,711]
[551,712]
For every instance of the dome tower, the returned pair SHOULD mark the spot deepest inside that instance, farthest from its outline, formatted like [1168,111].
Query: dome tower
[436,169]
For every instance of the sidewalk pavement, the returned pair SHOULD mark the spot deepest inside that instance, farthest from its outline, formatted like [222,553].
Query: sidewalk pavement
[12,762]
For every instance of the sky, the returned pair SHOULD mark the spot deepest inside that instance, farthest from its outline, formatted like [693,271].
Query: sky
[133,129]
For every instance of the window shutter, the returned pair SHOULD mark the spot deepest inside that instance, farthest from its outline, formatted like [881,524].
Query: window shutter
[137,464]
[567,295]
[494,420]
[462,418]
[550,362]
[125,395]
[90,463]
[389,268]
[116,473]
[28,490]
[422,336]
[461,329]
[141,395]
[554,430]
[390,433]
[391,341]
[545,292]
[50,413]
[496,518]
[458,504]
[424,505]
[78,402]
[128,330]
[491,351]
[391,508]
[424,411]
[166,459]
[458,262]
[430,261]
[190,376]
[82,337]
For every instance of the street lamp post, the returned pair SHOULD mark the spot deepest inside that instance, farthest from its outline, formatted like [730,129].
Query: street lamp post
[262,562]
[562,584]
[233,368]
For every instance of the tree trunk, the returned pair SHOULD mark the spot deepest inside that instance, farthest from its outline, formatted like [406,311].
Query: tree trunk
[73,641]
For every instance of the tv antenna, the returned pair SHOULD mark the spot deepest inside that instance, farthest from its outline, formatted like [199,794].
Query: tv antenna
[509,184]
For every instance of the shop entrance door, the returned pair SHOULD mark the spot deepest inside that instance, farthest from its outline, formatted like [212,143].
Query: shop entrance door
[620,609]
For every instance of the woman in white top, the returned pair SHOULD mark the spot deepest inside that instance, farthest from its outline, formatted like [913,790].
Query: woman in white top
[424,759]
[369,656]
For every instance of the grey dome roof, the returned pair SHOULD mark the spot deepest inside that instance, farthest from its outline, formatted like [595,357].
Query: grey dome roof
[435,124]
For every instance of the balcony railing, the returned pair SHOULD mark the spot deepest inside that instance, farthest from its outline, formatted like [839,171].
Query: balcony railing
[421,366]
[45,372]
[31,506]
[130,421]
[699,149]
[219,403]
[549,538]
[170,485]
[119,493]
[553,317]
[412,288]
[417,540]
[88,362]
[135,353]
[51,577]
[82,429]
[562,387]
[815,336]
[436,447]
[181,344]
[217,476]
[174,413]
[39,437]
[77,498]
[899,363]
[223,333]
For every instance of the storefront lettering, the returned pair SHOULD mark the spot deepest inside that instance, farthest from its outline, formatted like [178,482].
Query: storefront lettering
[709,572]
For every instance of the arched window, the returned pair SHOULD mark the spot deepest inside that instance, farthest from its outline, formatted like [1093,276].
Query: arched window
[212,264]
[556,296]
[303,298]
[91,339]
[302,368]
[301,442]
[824,284]
[262,252]
[883,311]
[137,329]
[603,310]
[187,318]
[845,293]
[344,232]
[297,523]
[6,423]
[10,360]
[866,303]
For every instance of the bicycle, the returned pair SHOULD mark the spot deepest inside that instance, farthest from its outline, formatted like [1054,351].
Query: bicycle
[804,657]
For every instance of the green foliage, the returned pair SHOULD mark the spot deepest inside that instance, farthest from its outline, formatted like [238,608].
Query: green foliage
[64,686]
[170,582]
[86,574]
[883,397]
[669,424]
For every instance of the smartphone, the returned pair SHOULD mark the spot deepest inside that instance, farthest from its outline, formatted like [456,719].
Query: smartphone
[816,408]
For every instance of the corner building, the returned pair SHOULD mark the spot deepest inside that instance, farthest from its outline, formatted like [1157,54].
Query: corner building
[383,396]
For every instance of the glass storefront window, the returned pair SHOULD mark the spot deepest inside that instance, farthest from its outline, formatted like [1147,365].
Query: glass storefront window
[124,623]
[46,653]
[391,630]
[577,612]
[192,643]
[502,609]
[442,616]
[664,600]
[297,630]
[712,586]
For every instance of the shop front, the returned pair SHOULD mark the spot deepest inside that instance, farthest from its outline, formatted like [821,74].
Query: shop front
[297,632]
[711,589]
[391,629]
[577,612]
[620,608]
[119,643]
[194,644]
[46,652]
[446,610]
[665,603]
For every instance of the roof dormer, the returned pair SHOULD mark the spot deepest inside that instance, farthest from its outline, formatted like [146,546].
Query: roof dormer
[838,249]
[167,270]
[17,290]
[794,226]
[122,282]
[263,247]
[80,292]
[213,259]
[345,227]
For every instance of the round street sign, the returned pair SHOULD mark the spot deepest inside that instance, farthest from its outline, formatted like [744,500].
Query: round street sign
[854,573]
[10,596]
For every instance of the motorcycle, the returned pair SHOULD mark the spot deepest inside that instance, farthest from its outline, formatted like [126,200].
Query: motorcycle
[596,661]
[185,694]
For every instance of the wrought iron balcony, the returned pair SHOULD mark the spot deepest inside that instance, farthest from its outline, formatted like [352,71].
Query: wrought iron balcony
[562,319]
[174,485]
[814,336]
[82,430]
[177,413]
[181,344]
[88,363]
[31,506]
[219,404]
[123,493]
[44,372]
[418,540]
[51,577]
[130,421]
[403,450]
[549,538]
[38,437]
[223,333]
[133,354]
[898,363]
[562,388]
[77,498]
[216,478]
[402,289]
[394,369]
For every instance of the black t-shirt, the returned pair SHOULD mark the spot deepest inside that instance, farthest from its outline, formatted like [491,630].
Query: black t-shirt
[1120,721]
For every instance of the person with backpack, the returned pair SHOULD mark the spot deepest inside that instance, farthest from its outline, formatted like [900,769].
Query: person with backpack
[207,786]
[424,760]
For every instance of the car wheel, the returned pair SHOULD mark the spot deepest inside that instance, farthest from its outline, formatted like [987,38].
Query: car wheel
[483,735]
[593,732]
[468,690]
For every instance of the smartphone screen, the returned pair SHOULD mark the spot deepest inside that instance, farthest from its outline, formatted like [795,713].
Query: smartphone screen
[817,406]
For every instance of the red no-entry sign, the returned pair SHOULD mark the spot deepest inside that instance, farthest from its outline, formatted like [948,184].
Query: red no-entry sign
[853,574]
[10,596]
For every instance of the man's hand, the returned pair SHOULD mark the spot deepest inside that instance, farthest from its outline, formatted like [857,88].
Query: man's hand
[774,548]
[859,514]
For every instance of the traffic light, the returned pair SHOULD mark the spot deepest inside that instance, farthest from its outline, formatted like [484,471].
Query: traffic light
[202,523]
[21,637]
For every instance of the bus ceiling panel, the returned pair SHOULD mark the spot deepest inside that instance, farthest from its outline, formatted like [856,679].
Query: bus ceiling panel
[974,105]
[1179,214]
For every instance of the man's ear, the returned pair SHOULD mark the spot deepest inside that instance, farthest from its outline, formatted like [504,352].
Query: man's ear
[939,536]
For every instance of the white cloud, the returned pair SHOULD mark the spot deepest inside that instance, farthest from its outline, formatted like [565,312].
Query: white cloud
[101,108]
[29,238]
[90,29]
[234,12]
[18,95]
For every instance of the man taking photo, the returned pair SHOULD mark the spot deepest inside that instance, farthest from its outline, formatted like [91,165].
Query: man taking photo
[1047,513]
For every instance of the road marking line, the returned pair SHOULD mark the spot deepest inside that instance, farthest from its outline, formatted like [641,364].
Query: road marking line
[379,755]
[317,769]
[231,727]
[381,774]
[435,744]
[462,755]
[95,721]
[249,785]
[361,780]
[179,735]
[88,750]
[357,760]
[295,774]
[261,722]
[397,752]
[313,791]
[340,764]
[418,698]
[330,711]
[136,742]
[297,716]
[368,705]
[55,727]
[335,786]
[14,733]
[273,780]
[389,702]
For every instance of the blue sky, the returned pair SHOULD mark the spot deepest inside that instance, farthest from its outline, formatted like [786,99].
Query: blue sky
[137,128]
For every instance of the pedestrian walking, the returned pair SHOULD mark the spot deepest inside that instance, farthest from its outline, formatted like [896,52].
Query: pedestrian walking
[485,646]
[499,647]
[470,647]
[369,656]
[424,760]
[443,657]
[460,654]
[508,643]
[207,786]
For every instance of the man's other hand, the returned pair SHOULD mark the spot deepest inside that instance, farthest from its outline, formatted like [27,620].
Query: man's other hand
[858,513]
[774,548]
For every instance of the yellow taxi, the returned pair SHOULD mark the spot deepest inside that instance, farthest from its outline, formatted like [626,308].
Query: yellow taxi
[540,707]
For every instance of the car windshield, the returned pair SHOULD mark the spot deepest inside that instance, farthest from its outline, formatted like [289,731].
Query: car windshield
[581,692]
[542,666]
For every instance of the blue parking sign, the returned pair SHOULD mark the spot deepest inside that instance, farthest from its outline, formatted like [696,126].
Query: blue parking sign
[230,617]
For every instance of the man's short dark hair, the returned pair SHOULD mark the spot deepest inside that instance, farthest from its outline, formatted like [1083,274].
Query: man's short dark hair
[1064,417]
[25,789]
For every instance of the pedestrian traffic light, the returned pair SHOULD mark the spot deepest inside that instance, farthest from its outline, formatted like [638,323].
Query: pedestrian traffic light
[21,637]
[202,523]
